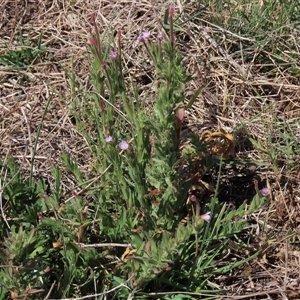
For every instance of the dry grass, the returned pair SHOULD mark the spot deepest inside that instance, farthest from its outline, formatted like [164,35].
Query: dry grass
[237,89]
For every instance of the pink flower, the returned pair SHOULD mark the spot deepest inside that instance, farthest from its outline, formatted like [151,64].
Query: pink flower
[206,217]
[92,41]
[193,198]
[74,193]
[108,139]
[265,192]
[113,54]
[123,145]
[145,35]
[160,37]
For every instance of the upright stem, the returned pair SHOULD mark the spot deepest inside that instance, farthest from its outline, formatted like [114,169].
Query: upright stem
[171,17]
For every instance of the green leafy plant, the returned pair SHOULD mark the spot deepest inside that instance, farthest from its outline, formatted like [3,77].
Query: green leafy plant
[37,243]
[139,197]
[126,230]
[25,54]
[24,254]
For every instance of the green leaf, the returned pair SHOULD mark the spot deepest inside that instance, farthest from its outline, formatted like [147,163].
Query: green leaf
[194,97]
[137,241]
[3,290]
[72,166]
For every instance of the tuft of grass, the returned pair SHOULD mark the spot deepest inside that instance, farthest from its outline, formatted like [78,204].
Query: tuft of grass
[25,54]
